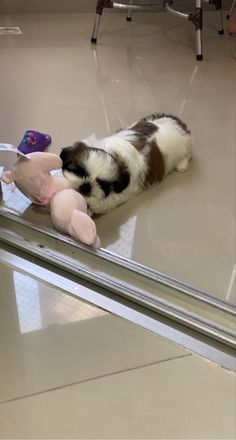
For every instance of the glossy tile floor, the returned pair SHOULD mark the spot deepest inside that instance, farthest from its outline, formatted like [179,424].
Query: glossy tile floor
[71,370]
[52,80]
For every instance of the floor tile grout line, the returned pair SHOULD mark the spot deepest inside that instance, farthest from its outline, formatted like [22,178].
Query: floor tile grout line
[102,376]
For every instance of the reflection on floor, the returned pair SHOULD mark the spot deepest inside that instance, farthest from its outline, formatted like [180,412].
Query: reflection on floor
[62,85]
[71,370]
[31,298]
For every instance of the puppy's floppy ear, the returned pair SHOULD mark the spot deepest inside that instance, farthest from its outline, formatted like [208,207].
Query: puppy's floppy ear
[122,181]
[74,151]
[73,159]
[80,147]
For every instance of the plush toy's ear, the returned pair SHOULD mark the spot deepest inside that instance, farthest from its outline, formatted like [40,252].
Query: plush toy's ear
[52,161]
[83,228]
[7,177]
[46,161]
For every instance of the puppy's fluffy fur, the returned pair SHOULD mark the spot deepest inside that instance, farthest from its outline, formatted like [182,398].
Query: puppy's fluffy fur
[127,162]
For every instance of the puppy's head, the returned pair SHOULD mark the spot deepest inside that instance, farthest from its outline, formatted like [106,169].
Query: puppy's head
[93,172]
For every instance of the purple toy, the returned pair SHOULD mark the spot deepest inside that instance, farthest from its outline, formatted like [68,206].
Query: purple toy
[34,141]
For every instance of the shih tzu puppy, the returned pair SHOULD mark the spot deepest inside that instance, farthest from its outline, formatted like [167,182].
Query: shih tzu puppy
[117,167]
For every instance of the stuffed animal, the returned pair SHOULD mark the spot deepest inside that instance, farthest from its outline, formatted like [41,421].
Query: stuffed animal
[68,208]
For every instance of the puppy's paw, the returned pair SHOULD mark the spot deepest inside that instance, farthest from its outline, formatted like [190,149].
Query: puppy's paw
[182,165]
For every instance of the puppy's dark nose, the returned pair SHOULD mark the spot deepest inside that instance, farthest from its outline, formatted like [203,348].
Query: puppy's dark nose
[85,189]
[65,153]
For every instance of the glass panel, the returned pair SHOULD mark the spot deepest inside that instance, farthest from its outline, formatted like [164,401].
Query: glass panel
[185,227]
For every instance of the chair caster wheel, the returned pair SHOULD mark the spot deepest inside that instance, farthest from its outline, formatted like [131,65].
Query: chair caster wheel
[128,18]
[221,32]
[199,57]
[227,16]
[93,40]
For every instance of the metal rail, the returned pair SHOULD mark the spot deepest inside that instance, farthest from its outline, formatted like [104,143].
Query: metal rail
[127,264]
[208,348]
[134,289]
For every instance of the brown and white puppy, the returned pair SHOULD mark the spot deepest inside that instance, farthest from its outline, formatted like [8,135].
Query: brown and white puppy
[127,162]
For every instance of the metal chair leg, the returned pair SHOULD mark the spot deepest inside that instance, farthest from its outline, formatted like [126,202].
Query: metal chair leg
[96,28]
[101,4]
[199,55]
[129,16]
[196,18]
[218,6]
[220,21]
[231,9]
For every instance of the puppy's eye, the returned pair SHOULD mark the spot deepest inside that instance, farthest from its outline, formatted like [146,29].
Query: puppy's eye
[85,189]
[80,171]
[74,168]
[105,186]
[121,184]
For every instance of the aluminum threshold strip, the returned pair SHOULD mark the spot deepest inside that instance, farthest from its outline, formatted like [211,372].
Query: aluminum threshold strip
[127,264]
[224,358]
[125,290]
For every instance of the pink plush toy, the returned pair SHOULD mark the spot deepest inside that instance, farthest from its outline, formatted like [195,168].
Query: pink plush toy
[68,208]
